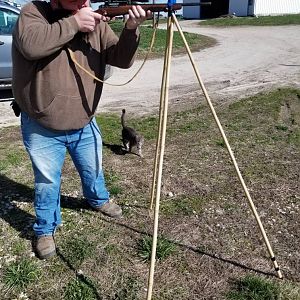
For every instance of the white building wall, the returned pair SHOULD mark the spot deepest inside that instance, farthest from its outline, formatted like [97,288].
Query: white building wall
[276,7]
[239,7]
[242,8]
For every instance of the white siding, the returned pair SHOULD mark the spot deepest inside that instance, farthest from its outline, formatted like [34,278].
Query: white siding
[239,7]
[242,8]
[276,7]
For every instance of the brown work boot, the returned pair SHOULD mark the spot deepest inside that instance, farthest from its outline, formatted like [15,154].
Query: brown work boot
[45,246]
[110,209]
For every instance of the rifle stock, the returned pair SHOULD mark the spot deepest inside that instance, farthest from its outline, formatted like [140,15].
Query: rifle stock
[111,11]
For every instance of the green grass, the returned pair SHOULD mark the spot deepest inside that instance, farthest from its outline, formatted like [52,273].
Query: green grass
[111,127]
[19,247]
[112,181]
[252,21]
[76,250]
[184,124]
[12,157]
[294,137]
[289,291]
[128,289]
[80,288]
[20,274]
[147,125]
[265,110]
[254,288]
[195,41]
[164,248]
[183,206]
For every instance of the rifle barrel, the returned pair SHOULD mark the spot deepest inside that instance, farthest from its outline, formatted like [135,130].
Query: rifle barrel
[113,11]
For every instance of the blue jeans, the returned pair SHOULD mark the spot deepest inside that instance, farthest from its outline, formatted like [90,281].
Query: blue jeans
[47,151]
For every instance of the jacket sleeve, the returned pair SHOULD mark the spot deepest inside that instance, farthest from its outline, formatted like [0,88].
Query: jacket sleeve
[121,52]
[35,38]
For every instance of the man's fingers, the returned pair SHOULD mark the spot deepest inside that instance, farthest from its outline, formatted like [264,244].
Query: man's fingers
[131,15]
[137,15]
[135,12]
[97,16]
[141,11]
[100,17]
[149,14]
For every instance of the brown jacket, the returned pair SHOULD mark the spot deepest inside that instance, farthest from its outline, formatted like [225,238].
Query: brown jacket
[46,83]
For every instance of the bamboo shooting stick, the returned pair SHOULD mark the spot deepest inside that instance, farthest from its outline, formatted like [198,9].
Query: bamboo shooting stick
[160,147]
[252,206]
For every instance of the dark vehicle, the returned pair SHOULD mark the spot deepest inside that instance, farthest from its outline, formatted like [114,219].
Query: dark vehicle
[8,17]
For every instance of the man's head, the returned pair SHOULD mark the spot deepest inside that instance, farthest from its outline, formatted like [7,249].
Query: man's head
[72,5]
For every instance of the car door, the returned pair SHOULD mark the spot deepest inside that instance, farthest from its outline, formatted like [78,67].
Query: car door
[8,18]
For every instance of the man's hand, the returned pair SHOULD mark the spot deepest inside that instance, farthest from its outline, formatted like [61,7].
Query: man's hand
[136,17]
[87,19]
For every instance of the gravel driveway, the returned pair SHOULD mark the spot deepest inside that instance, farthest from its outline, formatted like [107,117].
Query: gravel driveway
[245,61]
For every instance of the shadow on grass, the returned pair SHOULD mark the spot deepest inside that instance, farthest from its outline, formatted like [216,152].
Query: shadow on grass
[196,250]
[79,277]
[116,149]
[13,193]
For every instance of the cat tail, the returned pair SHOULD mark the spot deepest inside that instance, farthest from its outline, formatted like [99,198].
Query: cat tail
[123,118]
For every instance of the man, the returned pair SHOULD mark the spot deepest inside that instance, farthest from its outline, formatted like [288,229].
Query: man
[58,101]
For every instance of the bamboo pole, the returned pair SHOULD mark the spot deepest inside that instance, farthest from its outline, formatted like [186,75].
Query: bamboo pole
[252,206]
[164,114]
[161,116]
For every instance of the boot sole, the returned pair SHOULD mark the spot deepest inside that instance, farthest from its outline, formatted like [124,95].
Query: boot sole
[47,255]
[98,209]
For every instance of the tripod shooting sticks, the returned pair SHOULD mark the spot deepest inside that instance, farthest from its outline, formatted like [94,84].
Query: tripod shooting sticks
[160,147]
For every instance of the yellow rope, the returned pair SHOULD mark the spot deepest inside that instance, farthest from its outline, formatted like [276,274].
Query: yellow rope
[72,55]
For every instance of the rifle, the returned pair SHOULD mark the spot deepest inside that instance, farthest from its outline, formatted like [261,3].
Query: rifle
[121,9]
